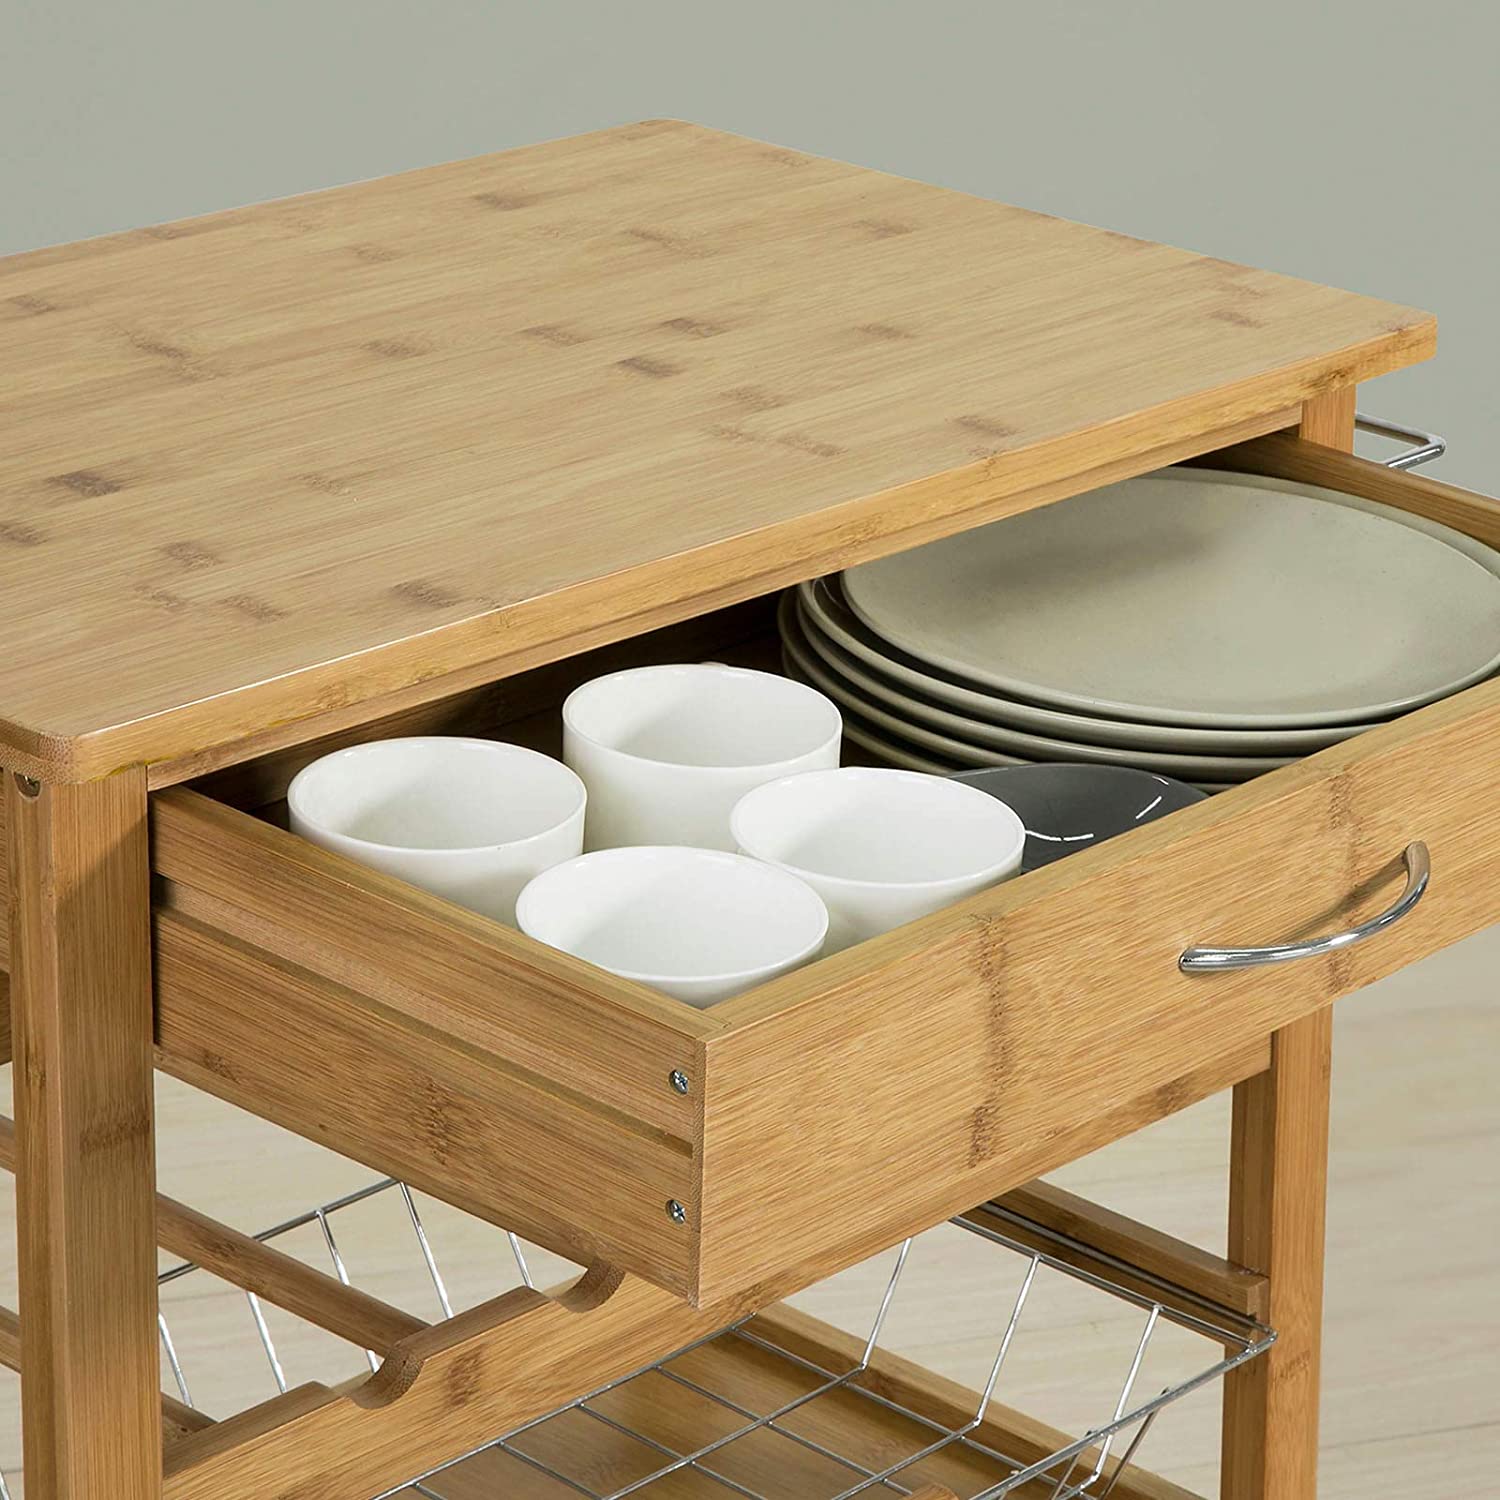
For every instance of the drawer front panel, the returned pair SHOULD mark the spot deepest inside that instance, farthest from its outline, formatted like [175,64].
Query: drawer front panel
[902,1079]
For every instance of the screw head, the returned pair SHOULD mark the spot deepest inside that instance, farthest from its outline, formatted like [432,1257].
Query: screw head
[679,1080]
[676,1212]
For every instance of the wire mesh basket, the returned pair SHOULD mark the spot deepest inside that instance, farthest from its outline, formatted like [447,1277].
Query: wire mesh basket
[780,1404]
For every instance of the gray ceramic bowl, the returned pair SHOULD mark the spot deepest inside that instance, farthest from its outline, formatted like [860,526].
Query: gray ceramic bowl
[1068,807]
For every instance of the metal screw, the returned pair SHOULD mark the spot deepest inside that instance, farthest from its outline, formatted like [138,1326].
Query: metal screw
[29,786]
[676,1212]
[678,1080]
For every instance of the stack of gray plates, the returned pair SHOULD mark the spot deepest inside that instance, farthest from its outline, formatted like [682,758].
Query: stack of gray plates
[1207,626]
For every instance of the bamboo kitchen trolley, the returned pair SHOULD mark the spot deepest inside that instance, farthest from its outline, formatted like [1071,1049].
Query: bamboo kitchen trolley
[421,453]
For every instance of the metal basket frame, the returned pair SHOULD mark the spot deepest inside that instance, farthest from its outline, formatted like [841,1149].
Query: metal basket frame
[1244,1338]
[1083,1467]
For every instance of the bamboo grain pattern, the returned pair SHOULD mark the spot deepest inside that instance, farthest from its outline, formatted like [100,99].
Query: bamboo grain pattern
[1067,977]
[922,1065]
[419,1104]
[311,453]
[464,423]
[1278,1188]
[916,1120]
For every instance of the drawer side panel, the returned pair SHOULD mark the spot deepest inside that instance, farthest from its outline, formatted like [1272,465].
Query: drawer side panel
[457,972]
[407,1100]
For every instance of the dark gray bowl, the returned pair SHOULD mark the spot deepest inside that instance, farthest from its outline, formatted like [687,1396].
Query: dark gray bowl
[1068,807]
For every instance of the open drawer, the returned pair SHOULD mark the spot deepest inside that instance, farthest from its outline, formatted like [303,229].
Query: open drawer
[843,1106]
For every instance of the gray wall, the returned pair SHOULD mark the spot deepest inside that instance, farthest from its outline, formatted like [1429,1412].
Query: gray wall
[1322,139]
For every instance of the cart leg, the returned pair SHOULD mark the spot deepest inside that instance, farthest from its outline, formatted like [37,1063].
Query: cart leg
[1277,1178]
[1329,419]
[1278,1182]
[85,1178]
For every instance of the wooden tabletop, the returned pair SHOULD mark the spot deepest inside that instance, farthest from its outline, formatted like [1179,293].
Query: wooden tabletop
[373,444]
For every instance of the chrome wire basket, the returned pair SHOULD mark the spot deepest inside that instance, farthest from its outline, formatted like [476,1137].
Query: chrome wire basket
[813,1399]
[761,1409]
[854,1420]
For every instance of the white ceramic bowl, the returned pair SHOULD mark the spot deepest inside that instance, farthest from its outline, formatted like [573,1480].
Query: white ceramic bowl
[880,847]
[697,924]
[470,820]
[667,751]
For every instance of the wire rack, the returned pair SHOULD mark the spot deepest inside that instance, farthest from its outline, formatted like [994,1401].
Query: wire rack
[265,1351]
[745,1411]
[323,1217]
[1090,1465]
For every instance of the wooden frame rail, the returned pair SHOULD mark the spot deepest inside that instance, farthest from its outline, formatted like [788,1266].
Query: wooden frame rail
[1147,1260]
[442,1393]
[279,1278]
[178,1419]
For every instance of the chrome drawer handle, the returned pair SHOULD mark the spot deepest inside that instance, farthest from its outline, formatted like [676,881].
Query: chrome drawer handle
[1426,446]
[1207,960]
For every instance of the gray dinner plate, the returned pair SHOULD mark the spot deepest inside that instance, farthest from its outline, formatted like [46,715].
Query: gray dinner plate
[1199,598]
[904,756]
[827,618]
[988,744]
[890,751]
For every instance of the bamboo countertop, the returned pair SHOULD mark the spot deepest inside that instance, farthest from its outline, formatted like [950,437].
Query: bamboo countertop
[374,443]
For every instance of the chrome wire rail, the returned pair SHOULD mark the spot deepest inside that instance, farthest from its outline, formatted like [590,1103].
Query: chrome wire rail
[1079,1468]
[1423,446]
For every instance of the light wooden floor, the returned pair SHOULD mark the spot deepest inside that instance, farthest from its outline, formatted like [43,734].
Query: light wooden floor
[1412,1366]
